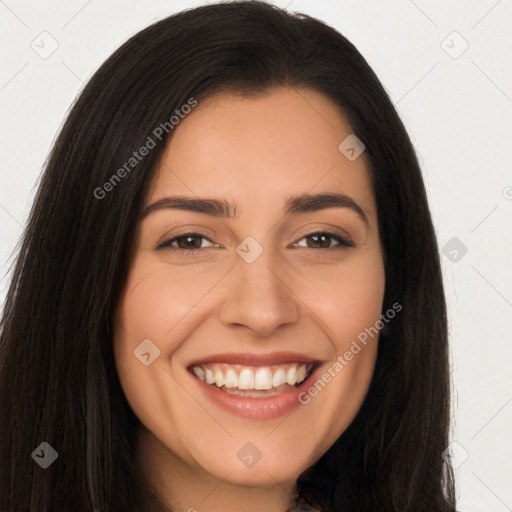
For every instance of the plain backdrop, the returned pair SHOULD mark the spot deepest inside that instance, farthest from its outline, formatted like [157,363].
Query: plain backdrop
[447,67]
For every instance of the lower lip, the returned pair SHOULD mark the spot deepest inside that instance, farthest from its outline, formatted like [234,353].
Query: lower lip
[265,408]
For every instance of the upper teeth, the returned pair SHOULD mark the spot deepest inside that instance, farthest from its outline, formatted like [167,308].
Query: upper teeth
[245,377]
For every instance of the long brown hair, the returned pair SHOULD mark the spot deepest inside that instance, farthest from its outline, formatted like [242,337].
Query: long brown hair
[58,382]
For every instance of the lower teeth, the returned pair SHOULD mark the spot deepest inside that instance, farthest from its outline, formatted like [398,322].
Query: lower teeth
[257,393]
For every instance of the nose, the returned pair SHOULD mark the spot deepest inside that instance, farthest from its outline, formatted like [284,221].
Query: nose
[258,298]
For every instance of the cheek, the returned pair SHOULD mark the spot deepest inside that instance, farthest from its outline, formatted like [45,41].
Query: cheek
[149,309]
[351,300]
[154,303]
[350,305]
[158,304]
[149,306]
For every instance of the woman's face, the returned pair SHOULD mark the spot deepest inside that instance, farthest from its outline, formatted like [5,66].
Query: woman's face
[256,298]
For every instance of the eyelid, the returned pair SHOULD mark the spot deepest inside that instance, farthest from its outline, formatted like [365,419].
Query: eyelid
[343,241]
[166,242]
[333,232]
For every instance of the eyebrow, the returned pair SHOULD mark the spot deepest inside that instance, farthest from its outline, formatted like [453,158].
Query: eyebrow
[221,208]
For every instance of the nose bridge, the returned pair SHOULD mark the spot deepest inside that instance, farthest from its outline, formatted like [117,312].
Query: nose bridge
[257,295]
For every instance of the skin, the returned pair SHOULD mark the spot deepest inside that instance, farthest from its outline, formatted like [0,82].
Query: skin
[298,295]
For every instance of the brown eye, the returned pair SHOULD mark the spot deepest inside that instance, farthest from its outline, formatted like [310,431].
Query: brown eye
[186,243]
[322,240]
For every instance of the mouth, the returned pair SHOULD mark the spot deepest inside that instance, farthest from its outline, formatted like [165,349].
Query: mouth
[253,381]
[254,386]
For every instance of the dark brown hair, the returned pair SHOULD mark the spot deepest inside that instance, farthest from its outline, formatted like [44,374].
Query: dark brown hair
[58,382]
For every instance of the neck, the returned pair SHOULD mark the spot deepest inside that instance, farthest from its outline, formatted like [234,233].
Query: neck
[181,486]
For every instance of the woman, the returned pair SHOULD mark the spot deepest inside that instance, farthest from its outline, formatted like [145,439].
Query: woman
[299,359]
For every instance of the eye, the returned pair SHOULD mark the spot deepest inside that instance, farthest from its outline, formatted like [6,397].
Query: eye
[187,243]
[322,238]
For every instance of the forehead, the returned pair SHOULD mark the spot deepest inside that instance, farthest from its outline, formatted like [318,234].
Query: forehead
[263,148]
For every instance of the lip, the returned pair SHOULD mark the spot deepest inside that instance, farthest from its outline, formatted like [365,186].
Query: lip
[257,409]
[251,359]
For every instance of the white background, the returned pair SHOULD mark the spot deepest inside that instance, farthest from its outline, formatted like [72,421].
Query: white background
[457,109]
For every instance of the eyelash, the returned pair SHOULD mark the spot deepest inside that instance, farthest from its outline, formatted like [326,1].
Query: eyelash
[344,243]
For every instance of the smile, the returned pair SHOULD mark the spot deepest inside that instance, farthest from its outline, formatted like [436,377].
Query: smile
[254,386]
[252,381]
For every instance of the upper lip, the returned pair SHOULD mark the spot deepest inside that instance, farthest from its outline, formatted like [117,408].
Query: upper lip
[251,359]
